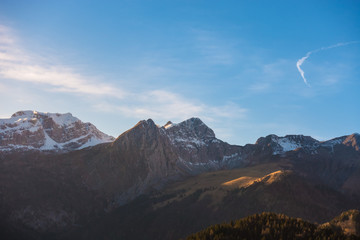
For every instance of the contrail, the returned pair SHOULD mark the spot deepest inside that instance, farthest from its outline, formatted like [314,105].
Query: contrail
[302,60]
[298,65]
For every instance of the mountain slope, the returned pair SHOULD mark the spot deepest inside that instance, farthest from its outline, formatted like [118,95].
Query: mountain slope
[50,192]
[188,206]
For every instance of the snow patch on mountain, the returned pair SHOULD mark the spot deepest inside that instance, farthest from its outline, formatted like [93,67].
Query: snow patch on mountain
[230,157]
[281,145]
[49,143]
[194,141]
[286,145]
[92,142]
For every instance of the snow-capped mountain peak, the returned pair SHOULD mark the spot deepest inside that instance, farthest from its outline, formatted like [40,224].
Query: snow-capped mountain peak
[32,130]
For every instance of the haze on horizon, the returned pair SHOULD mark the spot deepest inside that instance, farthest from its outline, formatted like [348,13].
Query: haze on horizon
[247,69]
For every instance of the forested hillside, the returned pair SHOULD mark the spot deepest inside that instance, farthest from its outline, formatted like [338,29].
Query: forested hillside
[271,226]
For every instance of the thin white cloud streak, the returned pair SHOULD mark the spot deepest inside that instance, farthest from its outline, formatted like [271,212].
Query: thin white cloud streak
[302,60]
[17,64]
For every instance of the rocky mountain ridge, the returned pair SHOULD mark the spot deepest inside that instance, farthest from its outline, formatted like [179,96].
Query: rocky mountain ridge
[78,185]
[198,149]
[32,130]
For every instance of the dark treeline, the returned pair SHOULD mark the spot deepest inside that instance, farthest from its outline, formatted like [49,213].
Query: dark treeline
[270,226]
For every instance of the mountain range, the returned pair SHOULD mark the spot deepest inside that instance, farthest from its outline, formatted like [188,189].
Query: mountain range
[61,178]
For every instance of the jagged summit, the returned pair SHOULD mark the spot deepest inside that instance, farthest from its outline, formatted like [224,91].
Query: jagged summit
[143,129]
[145,123]
[191,128]
[33,130]
[195,128]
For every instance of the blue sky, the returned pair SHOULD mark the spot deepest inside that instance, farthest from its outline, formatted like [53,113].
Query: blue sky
[231,63]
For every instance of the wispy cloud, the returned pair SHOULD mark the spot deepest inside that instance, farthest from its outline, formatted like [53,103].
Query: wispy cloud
[163,105]
[302,60]
[145,102]
[17,64]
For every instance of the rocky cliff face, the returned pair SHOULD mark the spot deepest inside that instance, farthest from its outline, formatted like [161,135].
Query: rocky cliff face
[31,130]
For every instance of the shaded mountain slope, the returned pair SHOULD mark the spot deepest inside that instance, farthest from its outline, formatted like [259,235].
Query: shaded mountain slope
[187,206]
